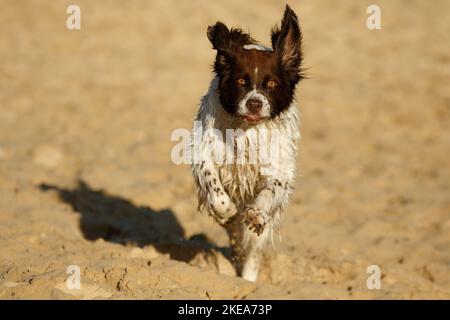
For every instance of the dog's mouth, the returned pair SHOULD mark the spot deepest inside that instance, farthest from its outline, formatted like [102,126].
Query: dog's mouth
[253,118]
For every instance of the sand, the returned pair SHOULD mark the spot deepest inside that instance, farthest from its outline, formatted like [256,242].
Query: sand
[86,176]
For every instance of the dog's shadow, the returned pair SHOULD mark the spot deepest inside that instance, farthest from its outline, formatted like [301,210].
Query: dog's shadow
[118,220]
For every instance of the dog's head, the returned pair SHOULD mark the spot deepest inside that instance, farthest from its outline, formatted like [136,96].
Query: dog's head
[257,83]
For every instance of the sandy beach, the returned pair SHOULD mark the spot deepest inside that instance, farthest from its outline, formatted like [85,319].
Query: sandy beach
[87,180]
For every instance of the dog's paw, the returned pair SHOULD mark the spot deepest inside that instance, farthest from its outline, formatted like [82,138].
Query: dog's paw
[255,219]
[221,207]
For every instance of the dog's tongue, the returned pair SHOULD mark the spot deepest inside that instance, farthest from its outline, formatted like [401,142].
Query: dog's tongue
[252,118]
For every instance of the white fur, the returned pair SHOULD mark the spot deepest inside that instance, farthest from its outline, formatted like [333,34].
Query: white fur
[257,47]
[254,94]
[243,192]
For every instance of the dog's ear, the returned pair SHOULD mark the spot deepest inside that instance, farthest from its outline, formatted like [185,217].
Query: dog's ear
[286,43]
[219,35]
[227,42]
[224,39]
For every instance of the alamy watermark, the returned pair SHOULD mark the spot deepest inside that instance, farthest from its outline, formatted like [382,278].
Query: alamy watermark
[73,21]
[374,280]
[73,281]
[374,20]
[232,146]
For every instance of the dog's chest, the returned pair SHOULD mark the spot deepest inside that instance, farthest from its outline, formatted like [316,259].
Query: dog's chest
[241,173]
[242,182]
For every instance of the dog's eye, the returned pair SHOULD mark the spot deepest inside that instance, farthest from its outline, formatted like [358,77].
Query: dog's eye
[271,84]
[241,81]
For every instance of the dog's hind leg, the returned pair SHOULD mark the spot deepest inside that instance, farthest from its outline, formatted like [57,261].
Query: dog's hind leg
[247,248]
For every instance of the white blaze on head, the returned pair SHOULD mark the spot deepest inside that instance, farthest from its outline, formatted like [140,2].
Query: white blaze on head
[256,47]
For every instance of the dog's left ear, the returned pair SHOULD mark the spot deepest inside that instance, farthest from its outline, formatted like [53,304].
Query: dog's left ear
[286,42]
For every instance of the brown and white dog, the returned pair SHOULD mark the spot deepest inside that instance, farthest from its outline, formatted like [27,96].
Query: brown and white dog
[252,93]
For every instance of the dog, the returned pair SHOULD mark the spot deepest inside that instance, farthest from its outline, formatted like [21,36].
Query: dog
[253,91]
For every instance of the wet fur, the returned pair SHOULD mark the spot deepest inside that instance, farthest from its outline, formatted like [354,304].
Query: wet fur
[246,202]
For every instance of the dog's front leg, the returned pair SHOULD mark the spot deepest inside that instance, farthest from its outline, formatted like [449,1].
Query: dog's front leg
[273,197]
[212,194]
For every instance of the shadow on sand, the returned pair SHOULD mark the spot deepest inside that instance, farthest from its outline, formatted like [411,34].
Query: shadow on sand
[118,220]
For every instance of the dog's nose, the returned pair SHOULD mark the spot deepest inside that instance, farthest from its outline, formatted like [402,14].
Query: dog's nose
[254,105]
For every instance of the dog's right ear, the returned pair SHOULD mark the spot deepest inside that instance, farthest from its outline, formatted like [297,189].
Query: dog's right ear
[224,39]
[227,42]
[219,35]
